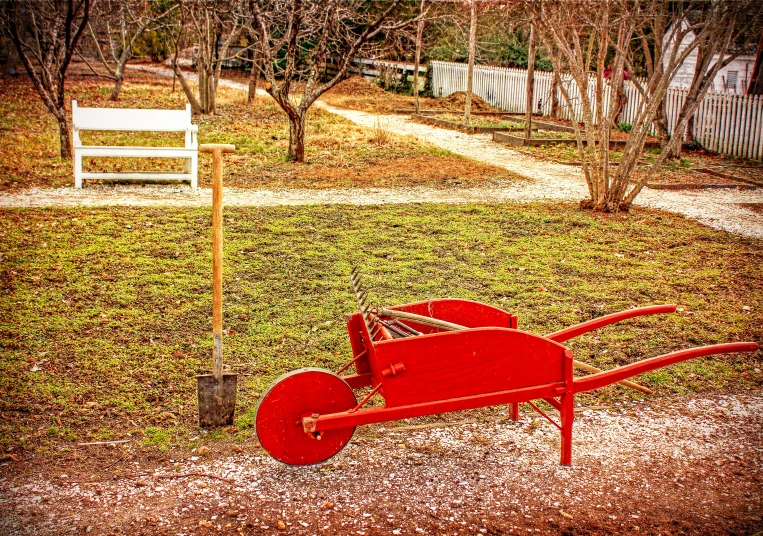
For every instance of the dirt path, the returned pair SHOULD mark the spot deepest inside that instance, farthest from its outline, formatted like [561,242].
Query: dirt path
[664,466]
[727,210]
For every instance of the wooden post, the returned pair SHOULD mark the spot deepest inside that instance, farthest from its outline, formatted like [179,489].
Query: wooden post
[529,84]
[470,68]
[419,32]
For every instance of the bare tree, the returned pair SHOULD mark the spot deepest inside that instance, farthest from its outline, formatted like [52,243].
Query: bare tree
[470,63]
[122,22]
[209,21]
[417,57]
[297,36]
[589,37]
[53,30]
[530,86]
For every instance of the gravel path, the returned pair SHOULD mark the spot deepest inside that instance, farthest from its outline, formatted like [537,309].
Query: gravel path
[720,209]
[682,466]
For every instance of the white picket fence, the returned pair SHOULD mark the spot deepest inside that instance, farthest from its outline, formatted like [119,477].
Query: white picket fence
[724,123]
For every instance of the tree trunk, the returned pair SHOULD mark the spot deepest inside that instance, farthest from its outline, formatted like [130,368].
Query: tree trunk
[120,74]
[203,86]
[419,32]
[690,130]
[64,133]
[470,68]
[756,80]
[297,138]
[661,126]
[554,98]
[13,61]
[211,94]
[195,105]
[254,77]
[529,84]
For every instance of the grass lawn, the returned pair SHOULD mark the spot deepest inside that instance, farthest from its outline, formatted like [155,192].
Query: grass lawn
[105,314]
[338,153]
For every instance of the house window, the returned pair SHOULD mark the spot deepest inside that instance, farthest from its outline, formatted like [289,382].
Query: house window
[731,80]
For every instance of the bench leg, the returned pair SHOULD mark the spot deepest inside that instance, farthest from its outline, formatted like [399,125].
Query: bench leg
[567,415]
[77,170]
[195,171]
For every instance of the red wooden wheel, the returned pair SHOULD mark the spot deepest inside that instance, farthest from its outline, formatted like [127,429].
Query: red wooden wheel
[292,396]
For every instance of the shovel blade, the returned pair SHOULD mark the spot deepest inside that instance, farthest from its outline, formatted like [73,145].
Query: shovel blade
[217,403]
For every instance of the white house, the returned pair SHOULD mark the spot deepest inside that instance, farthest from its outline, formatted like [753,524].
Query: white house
[734,78]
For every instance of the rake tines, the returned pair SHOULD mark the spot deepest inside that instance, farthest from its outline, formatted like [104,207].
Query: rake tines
[361,295]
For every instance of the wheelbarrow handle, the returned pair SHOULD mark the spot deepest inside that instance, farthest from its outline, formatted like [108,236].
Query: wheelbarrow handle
[600,379]
[578,329]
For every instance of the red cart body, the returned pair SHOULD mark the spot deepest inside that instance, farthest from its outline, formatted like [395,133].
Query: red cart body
[490,362]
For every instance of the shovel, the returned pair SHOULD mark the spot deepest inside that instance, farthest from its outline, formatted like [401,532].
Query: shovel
[217,391]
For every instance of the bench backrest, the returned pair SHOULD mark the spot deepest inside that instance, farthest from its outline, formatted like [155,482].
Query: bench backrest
[131,119]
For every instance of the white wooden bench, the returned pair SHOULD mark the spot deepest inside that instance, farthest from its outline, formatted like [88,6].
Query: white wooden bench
[141,121]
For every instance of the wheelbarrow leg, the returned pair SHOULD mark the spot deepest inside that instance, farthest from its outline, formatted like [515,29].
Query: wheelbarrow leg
[567,408]
[567,415]
[514,411]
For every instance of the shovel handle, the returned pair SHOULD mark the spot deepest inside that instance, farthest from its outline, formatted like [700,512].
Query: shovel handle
[217,151]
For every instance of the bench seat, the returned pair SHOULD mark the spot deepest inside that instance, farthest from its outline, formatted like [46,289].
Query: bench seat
[139,121]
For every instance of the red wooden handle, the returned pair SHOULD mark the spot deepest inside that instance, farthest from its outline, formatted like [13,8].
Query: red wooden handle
[585,327]
[600,379]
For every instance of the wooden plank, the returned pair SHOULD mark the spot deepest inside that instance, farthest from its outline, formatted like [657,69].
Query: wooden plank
[131,119]
[135,152]
[157,175]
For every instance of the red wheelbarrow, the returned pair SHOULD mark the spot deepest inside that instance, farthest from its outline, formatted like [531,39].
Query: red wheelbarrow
[420,368]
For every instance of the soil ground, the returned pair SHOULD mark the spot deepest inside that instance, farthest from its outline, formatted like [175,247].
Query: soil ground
[663,466]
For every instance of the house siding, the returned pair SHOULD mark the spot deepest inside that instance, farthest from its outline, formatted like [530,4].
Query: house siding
[743,66]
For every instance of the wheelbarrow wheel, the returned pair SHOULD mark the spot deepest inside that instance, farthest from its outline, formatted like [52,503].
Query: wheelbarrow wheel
[292,396]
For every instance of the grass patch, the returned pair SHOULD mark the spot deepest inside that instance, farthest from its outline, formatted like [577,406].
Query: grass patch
[481,121]
[105,314]
[338,152]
